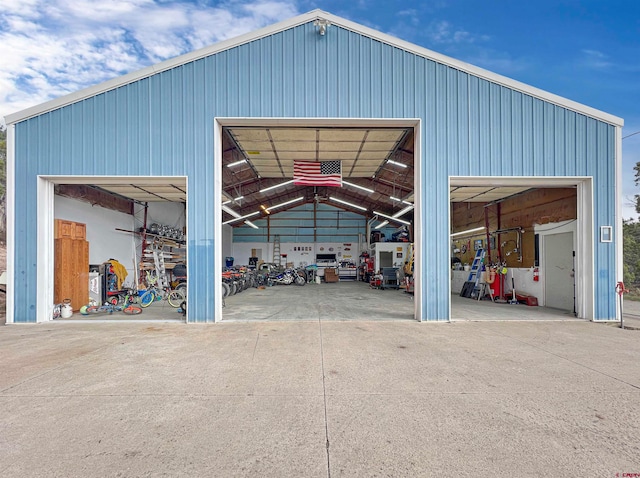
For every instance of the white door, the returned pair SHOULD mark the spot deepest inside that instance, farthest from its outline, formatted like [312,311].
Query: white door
[559,289]
[386,259]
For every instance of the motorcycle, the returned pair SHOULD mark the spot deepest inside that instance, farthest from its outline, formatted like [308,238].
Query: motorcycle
[288,276]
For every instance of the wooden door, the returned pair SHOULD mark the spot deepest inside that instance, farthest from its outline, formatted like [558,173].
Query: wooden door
[71,272]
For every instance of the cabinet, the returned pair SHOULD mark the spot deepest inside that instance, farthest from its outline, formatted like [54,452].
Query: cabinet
[71,266]
[63,229]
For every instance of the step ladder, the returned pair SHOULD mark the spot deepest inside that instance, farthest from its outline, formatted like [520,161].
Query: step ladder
[158,261]
[475,273]
[277,258]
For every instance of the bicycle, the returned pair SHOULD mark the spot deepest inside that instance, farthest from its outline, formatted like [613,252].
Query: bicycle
[173,296]
[130,296]
[109,308]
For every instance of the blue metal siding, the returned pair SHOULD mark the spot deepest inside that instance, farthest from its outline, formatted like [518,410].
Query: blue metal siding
[163,125]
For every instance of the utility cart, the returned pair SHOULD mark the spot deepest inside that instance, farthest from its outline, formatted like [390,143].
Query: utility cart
[390,278]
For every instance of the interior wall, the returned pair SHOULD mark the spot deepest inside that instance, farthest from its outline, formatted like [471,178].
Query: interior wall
[539,206]
[105,242]
[167,213]
[300,254]
[301,224]
[227,240]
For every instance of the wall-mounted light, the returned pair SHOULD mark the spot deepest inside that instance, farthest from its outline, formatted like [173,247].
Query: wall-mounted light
[391,218]
[346,203]
[382,224]
[275,186]
[236,163]
[370,191]
[321,24]
[468,231]
[396,163]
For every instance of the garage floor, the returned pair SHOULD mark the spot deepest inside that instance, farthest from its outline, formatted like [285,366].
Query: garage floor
[357,301]
[469,309]
[347,300]
[158,311]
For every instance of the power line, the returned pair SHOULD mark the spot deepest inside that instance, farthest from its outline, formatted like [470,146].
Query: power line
[632,134]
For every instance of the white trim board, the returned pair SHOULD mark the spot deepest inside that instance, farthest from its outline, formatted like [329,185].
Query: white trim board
[291,23]
[11,224]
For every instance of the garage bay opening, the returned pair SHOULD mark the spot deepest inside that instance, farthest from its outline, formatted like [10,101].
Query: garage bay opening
[119,247]
[518,248]
[317,220]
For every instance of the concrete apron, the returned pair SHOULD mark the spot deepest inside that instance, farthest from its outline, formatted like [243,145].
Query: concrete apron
[319,398]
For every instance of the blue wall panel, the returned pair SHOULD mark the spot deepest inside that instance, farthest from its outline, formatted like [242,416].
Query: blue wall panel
[163,125]
[297,225]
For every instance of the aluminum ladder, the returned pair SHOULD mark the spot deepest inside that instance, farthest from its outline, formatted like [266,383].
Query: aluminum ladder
[277,258]
[476,271]
[158,260]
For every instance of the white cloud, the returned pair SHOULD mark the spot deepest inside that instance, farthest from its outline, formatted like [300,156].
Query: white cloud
[443,32]
[595,59]
[54,47]
[497,61]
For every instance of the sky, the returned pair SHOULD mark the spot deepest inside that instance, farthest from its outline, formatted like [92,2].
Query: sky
[584,50]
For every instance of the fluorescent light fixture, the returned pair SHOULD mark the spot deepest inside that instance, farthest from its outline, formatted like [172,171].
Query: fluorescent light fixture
[382,224]
[241,217]
[396,163]
[347,203]
[232,200]
[236,163]
[230,211]
[393,198]
[468,231]
[249,223]
[370,191]
[286,203]
[403,211]
[276,186]
[401,221]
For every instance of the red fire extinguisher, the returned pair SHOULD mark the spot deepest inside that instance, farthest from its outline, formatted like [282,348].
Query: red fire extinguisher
[536,274]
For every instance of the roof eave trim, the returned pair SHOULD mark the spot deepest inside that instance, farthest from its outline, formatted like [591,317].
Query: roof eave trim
[299,20]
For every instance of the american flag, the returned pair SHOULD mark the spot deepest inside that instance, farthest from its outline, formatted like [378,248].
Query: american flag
[311,173]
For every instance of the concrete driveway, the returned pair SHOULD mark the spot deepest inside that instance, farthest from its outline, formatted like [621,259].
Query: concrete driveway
[319,399]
